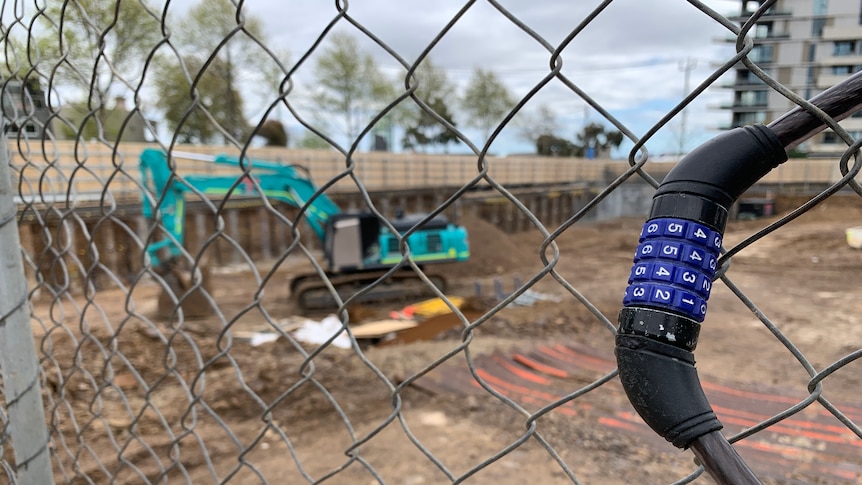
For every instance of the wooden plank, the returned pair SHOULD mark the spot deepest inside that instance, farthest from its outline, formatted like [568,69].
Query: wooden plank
[381,328]
[430,328]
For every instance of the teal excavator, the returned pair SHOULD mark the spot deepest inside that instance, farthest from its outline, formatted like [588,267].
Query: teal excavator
[358,248]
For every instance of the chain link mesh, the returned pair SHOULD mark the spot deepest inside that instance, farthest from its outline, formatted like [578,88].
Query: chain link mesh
[136,398]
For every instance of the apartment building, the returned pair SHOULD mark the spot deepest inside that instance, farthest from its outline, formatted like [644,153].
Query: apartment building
[807,45]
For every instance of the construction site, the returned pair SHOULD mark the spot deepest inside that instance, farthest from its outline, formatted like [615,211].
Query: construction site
[142,386]
[462,242]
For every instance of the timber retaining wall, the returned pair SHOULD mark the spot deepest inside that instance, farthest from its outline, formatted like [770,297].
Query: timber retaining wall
[80,209]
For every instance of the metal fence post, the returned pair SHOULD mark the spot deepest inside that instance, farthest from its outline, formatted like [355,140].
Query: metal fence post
[18,362]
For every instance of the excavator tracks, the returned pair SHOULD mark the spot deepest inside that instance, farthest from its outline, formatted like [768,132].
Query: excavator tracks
[311,292]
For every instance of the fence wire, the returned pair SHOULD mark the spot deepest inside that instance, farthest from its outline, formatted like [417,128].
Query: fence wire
[139,394]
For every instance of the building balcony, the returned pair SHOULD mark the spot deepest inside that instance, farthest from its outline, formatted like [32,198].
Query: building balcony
[762,62]
[852,123]
[828,80]
[852,59]
[761,39]
[770,14]
[740,107]
[747,85]
[842,33]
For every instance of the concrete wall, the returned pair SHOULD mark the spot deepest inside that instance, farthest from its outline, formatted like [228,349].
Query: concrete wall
[631,199]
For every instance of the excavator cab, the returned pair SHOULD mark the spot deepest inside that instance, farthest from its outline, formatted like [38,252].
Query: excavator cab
[356,242]
[352,242]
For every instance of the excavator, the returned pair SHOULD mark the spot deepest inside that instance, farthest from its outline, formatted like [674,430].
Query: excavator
[358,248]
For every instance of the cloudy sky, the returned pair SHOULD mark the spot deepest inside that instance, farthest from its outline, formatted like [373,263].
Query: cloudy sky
[629,59]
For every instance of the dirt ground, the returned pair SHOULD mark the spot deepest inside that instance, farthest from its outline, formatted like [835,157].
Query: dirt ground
[370,414]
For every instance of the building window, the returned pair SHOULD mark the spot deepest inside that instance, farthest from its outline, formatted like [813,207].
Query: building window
[741,119]
[817,27]
[831,138]
[844,48]
[821,7]
[761,53]
[838,70]
[752,98]
[747,77]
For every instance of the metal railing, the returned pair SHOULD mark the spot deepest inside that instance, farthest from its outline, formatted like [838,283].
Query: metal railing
[520,384]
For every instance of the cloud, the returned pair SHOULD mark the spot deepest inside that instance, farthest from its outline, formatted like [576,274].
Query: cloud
[627,59]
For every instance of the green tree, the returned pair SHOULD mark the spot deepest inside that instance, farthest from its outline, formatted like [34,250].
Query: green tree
[554,146]
[273,132]
[427,130]
[594,140]
[195,116]
[209,31]
[434,89]
[311,140]
[536,124]
[274,76]
[486,101]
[81,121]
[101,43]
[350,86]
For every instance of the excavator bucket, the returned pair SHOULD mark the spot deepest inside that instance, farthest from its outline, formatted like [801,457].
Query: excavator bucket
[177,274]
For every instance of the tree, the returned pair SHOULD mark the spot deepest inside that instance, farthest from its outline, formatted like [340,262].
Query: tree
[427,130]
[312,141]
[196,116]
[208,32]
[273,132]
[432,88]
[102,42]
[540,128]
[79,122]
[486,101]
[274,75]
[594,141]
[533,125]
[350,85]
[553,146]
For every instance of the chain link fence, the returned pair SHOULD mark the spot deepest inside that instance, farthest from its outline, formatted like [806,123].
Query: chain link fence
[516,384]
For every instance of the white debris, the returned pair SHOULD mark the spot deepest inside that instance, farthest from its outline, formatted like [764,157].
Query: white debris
[261,338]
[313,332]
[530,297]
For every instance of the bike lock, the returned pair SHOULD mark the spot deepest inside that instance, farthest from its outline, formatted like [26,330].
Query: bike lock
[670,283]
[676,257]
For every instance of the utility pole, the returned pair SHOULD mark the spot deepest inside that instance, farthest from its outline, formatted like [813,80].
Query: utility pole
[686,66]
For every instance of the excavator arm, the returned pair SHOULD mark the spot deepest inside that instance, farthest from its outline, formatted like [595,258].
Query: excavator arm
[290,184]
